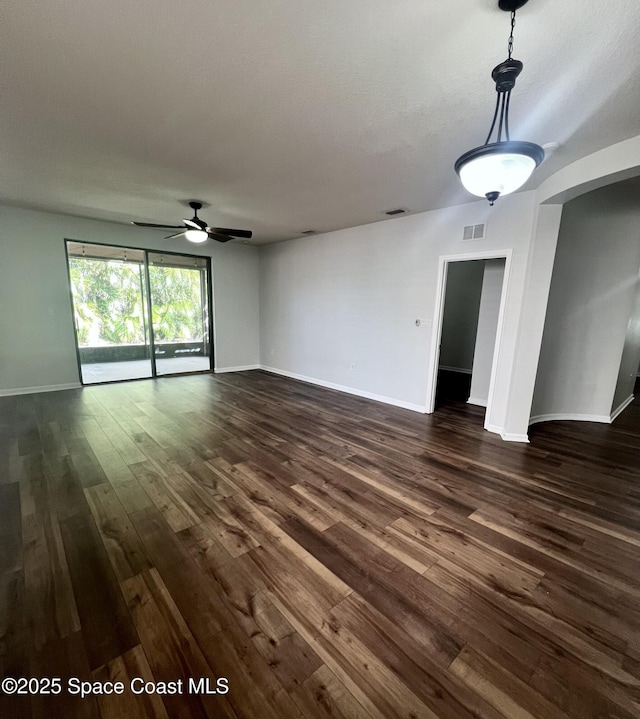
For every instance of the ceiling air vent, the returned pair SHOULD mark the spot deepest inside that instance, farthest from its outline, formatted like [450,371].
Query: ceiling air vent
[308,232]
[474,232]
[393,213]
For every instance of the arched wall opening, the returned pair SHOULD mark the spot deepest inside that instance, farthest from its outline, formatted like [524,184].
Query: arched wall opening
[591,324]
[608,166]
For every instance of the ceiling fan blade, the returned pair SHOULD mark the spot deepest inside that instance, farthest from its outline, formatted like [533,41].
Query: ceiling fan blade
[178,234]
[246,234]
[196,223]
[162,227]
[219,238]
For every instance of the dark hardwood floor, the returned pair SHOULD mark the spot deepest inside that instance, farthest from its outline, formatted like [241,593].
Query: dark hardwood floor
[329,556]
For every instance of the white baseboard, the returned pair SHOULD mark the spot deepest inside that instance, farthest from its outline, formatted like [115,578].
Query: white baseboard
[347,390]
[602,418]
[239,368]
[572,417]
[515,437]
[461,370]
[506,436]
[37,390]
[621,408]
[477,402]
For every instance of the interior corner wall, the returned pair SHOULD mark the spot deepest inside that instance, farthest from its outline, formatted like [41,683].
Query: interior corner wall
[630,361]
[488,314]
[351,298]
[590,301]
[37,347]
[460,316]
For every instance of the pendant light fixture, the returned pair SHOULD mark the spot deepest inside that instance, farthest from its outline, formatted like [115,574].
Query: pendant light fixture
[500,167]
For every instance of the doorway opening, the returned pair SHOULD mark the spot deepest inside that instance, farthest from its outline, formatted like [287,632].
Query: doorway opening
[138,313]
[467,330]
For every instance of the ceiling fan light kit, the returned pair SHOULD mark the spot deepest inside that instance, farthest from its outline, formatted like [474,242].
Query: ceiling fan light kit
[197,230]
[500,167]
[196,236]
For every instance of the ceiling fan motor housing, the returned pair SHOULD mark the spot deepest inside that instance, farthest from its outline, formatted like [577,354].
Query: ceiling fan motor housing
[195,206]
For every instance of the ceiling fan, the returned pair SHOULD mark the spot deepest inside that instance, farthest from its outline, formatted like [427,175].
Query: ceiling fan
[197,230]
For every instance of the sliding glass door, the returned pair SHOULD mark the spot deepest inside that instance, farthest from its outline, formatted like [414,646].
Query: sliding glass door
[179,313]
[138,314]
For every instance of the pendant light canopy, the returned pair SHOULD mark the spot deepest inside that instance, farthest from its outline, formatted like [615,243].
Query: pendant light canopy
[500,167]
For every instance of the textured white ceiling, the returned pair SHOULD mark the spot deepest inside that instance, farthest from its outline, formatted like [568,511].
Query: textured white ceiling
[291,115]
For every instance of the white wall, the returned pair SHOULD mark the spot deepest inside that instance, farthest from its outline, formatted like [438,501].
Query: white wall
[591,297]
[36,328]
[352,297]
[488,313]
[460,316]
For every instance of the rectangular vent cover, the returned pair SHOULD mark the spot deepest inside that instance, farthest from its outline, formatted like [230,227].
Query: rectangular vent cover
[395,212]
[474,232]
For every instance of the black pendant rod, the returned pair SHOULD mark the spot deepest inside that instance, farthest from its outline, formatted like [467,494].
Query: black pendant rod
[501,117]
[495,117]
[506,116]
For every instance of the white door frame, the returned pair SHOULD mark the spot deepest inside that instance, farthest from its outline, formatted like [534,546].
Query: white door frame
[438,314]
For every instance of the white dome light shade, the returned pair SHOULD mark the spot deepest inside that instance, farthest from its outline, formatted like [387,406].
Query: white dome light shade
[196,235]
[498,168]
[503,173]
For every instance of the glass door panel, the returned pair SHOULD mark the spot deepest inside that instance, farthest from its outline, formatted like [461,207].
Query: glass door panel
[108,289]
[179,297]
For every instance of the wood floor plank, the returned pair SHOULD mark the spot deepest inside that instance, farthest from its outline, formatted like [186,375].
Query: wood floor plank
[193,591]
[87,466]
[172,652]
[10,528]
[324,695]
[379,578]
[289,656]
[510,696]
[130,665]
[286,552]
[126,486]
[580,691]
[106,623]
[69,658]
[204,547]
[65,486]
[52,608]
[281,503]
[370,681]
[126,552]
[548,633]
[243,593]
[254,688]
[15,641]
[410,661]
[438,537]
[174,509]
